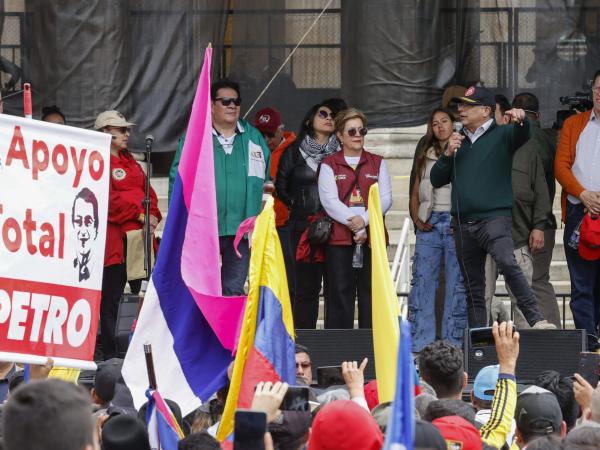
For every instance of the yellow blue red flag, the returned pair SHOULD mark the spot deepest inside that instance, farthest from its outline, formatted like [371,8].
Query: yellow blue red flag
[265,350]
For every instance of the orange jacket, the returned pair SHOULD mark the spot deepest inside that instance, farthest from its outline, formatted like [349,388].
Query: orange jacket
[281,211]
[565,157]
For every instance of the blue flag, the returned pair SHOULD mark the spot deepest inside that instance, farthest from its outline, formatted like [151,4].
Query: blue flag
[401,425]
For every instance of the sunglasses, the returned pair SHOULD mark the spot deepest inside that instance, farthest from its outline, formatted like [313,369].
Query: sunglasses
[226,101]
[354,131]
[324,114]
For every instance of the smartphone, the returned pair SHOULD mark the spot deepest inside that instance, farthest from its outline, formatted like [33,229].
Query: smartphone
[296,399]
[589,367]
[250,429]
[330,376]
[483,337]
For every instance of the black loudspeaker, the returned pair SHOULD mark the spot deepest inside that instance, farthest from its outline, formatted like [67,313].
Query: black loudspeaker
[539,350]
[332,347]
[128,308]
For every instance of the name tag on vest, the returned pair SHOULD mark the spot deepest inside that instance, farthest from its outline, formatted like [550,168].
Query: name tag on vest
[257,164]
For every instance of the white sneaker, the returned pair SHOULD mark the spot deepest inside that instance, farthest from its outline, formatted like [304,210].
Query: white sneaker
[543,325]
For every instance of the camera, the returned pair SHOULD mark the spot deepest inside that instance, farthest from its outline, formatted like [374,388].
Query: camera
[580,102]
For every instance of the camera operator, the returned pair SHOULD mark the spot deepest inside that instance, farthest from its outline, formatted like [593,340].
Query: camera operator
[478,164]
[577,169]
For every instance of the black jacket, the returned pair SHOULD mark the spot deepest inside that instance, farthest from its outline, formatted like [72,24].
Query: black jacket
[296,184]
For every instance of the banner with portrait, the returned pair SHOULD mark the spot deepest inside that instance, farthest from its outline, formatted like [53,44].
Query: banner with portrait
[53,216]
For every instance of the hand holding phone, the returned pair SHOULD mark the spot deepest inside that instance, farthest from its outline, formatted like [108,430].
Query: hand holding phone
[268,398]
[330,376]
[296,399]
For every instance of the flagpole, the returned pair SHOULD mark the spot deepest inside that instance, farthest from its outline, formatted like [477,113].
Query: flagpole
[150,366]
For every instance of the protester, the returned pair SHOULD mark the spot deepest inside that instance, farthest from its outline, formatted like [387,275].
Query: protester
[199,441]
[562,388]
[344,425]
[125,215]
[53,114]
[458,433]
[296,186]
[241,160]
[268,122]
[7,371]
[530,211]
[441,366]
[478,165]
[427,436]
[550,442]
[546,149]
[303,364]
[576,170]
[105,380]
[344,181]
[538,414]
[583,438]
[450,407]
[48,415]
[124,432]
[430,212]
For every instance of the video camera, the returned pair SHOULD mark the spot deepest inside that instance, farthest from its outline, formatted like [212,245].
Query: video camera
[581,101]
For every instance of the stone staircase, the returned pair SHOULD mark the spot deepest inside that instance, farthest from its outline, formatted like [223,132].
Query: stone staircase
[397,146]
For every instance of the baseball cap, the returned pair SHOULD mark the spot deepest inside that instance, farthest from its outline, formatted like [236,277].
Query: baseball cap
[458,433]
[589,238]
[485,381]
[111,119]
[267,120]
[538,412]
[428,436]
[477,95]
[344,425]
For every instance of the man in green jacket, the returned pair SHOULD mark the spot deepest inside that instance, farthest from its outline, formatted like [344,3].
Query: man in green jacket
[241,159]
[478,163]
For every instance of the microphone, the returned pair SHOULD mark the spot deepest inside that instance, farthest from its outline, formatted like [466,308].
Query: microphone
[149,140]
[457,127]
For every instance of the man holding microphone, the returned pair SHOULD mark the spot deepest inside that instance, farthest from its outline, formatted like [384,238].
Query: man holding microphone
[478,163]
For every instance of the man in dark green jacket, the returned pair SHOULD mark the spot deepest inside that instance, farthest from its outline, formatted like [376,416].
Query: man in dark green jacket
[241,160]
[478,163]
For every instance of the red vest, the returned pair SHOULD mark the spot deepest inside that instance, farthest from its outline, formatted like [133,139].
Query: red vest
[345,176]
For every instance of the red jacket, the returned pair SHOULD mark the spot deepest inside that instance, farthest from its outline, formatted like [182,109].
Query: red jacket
[368,174]
[126,192]
[281,211]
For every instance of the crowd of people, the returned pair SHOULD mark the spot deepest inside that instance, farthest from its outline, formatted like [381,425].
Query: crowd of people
[554,413]
[481,198]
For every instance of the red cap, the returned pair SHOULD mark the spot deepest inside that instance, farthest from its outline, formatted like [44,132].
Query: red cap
[589,238]
[267,120]
[344,425]
[458,433]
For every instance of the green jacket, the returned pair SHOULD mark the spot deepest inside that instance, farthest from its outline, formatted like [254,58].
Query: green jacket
[531,202]
[239,176]
[480,173]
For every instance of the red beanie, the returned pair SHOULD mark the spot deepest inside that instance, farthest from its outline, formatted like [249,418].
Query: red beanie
[344,425]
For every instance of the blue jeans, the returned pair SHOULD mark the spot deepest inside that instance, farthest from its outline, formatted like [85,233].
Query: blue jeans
[585,281]
[234,269]
[430,248]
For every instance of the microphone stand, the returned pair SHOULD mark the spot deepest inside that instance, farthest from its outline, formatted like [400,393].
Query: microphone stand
[146,204]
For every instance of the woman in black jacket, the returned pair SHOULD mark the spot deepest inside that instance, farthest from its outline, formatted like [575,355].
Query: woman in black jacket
[296,186]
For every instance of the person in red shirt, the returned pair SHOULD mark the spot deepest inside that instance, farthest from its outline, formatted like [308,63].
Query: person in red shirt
[268,122]
[125,213]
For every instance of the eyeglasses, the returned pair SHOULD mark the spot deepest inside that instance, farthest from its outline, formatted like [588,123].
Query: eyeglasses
[596,89]
[304,365]
[354,131]
[226,101]
[324,114]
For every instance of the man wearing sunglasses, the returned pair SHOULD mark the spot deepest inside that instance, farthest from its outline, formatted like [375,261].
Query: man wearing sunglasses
[241,159]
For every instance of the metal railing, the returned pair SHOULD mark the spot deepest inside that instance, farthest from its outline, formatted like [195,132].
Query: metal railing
[401,268]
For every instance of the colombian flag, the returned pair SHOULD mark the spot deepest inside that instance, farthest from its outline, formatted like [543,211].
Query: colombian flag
[265,349]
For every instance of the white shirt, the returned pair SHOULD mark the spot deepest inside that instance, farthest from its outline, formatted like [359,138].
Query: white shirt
[227,142]
[586,167]
[336,209]
[479,131]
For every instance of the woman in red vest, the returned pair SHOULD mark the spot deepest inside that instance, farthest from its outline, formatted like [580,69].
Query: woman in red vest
[344,181]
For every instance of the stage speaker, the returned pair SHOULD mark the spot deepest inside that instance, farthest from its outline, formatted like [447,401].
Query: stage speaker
[128,308]
[539,350]
[332,347]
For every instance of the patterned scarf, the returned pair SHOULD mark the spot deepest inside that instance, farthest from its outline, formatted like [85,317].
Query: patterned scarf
[317,152]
